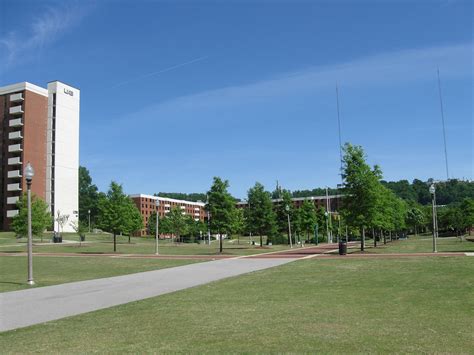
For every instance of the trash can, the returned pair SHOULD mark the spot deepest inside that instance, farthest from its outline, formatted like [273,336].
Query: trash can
[342,248]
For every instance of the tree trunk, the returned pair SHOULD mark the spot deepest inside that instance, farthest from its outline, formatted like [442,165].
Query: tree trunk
[261,240]
[375,238]
[384,237]
[115,242]
[220,243]
[129,239]
[362,240]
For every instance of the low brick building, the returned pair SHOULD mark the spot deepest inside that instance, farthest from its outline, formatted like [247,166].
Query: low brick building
[146,204]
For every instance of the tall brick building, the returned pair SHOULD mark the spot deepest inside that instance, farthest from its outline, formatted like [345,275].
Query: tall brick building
[40,126]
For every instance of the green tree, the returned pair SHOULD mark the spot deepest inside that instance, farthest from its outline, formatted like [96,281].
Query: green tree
[415,218]
[467,210]
[308,218]
[177,223]
[282,213]
[135,221]
[238,223]
[88,197]
[361,191]
[118,213]
[40,217]
[261,215]
[221,206]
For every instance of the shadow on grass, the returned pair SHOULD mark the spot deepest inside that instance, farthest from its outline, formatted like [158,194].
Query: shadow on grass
[11,283]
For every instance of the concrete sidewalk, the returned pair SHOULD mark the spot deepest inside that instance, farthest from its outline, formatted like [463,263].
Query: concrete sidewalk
[37,305]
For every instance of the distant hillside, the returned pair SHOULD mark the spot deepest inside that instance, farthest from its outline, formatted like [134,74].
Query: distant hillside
[452,191]
[448,192]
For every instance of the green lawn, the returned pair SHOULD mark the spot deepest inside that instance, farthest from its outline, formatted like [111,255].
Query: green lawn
[56,270]
[102,243]
[419,244]
[416,305]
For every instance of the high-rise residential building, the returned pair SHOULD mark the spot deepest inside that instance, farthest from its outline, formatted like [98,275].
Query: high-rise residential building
[40,126]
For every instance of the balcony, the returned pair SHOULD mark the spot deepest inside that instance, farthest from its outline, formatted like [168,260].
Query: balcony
[13,187]
[14,148]
[16,97]
[12,213]
[15,135]
[16,110]
[182,207]
[14,174]
[17,122]
[196,214]
[196,208]
[14,161]
[12,200]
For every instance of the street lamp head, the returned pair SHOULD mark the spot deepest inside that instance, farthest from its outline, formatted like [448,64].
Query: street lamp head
[157,202]
[432,189]
[89,211]
[326,213]
[287,208]
[29,172]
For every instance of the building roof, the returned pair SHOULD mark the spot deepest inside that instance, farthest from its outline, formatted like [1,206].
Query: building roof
[167,199]
[23,86]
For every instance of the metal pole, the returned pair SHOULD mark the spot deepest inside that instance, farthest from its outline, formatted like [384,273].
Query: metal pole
[289,229]
[157,233]
[328,216]
[444,130]
[30,236]
[433,200]
[208,229]
[89,212]
[250,228]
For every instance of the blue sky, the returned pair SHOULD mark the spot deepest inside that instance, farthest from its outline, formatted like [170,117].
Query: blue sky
[174,93]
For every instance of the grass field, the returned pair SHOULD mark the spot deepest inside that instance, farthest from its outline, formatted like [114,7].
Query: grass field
[416,305]
[103,244]
[57,270]
[418,244]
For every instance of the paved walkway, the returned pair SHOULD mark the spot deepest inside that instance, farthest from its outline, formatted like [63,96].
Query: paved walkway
[37,305]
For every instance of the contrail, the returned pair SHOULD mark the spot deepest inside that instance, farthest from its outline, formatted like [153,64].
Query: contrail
[160,71]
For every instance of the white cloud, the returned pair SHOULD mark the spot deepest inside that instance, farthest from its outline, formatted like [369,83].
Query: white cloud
[389,68]
[47,27]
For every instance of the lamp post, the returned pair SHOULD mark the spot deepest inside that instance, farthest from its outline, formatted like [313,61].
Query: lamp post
[89,213]
[157,203]
[287,208]
[208,222]
[29,173]
[327,226]
[435,222]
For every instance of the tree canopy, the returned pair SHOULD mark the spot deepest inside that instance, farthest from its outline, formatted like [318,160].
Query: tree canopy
[118,213]
[40,216]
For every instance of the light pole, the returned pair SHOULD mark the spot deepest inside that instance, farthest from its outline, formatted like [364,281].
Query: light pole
[435,222]
[326,214]
[208,222]
[287,208]
[89,213]
[157,203]
[29,173]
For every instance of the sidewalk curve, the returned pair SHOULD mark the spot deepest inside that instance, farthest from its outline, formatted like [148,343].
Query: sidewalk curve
[37,305]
